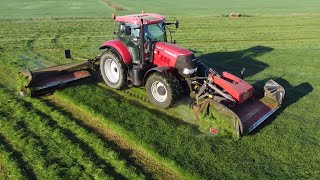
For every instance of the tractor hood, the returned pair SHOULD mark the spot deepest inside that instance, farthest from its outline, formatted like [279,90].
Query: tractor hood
[172,49]
[173,56]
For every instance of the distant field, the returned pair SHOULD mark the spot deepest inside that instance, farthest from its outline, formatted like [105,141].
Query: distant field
[18,9]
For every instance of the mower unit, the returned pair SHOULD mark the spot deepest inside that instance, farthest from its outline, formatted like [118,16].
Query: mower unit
[142,56]
[235,97]
[37,82]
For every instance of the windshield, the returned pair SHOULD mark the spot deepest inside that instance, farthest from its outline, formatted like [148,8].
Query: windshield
[155,32]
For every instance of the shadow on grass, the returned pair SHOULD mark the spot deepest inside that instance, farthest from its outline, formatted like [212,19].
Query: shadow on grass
[26,132]
[293,95]
[27,171]
[176,121]
[124,154]
[235,61]
[90,152]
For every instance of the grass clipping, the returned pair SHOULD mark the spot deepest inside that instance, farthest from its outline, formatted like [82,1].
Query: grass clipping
[221,119]
[22,85]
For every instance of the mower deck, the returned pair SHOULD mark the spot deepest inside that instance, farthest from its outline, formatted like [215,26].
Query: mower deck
[253,113]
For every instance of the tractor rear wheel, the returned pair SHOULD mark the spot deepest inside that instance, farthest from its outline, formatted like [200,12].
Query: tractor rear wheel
[113,70]
[161,89]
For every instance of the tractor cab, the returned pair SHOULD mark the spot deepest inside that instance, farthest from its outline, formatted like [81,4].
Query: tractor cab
[153,27]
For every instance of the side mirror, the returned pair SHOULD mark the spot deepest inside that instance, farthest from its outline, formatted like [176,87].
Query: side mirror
[67,53]
[127,30]
[177,24]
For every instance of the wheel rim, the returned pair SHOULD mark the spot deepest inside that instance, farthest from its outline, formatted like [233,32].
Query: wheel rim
[111,70]
[159,91]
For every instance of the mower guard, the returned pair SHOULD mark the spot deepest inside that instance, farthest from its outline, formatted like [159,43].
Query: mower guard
[32,82]
[253,113]
[250,114]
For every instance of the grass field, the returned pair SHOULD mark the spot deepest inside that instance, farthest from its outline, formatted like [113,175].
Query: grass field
[82,132]
[18,9]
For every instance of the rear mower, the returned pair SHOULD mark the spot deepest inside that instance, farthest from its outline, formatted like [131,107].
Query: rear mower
[142,56]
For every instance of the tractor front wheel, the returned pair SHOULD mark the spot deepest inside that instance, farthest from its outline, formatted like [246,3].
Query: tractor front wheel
[161,90]
[113,70]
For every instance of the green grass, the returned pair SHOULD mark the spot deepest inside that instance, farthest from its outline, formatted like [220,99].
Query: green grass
[63,147]
[17,9]
[218,7]
[283,47]
[9,163]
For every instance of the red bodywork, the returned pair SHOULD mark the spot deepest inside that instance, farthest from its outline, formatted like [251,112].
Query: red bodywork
[236,87]
[120,47]
[166,54]
[148,18]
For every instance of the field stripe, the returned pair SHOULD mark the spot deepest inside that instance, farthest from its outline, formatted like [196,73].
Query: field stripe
[73,158]
[12,165]
[90,143]
[138,154]
[25,147]
[113,5]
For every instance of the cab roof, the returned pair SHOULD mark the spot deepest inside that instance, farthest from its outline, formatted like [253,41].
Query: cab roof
[148,18]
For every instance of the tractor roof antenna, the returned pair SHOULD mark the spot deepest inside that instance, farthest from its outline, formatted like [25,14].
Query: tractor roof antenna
[142,44]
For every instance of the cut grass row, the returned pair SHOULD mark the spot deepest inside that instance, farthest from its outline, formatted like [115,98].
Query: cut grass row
[71,126]
[9,162]
[149,161]
[169,137]
[58,145]
[178,141]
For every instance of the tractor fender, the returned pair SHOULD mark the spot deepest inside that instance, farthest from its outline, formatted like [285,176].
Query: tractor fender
[155,69]
[120,48]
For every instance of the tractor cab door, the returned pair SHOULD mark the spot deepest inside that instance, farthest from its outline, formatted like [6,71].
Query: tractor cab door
[131,41]
[152,33]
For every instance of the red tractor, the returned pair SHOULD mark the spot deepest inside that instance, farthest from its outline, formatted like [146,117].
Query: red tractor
[141,55]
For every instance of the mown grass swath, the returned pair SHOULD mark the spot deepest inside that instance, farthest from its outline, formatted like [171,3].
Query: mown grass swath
[285,48]
[10,162]
[68,149]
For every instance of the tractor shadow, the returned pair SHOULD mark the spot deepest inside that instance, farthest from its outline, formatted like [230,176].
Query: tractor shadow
[292,95]
[235,61]
[232,62]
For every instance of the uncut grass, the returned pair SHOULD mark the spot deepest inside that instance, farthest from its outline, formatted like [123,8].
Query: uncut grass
[81,154]
[83,8]
[286,147]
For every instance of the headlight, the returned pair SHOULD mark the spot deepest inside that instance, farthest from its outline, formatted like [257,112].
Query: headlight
[189,71]
[186,65]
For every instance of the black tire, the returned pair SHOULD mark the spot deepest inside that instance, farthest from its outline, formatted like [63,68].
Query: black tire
[113,70]
[161,89]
